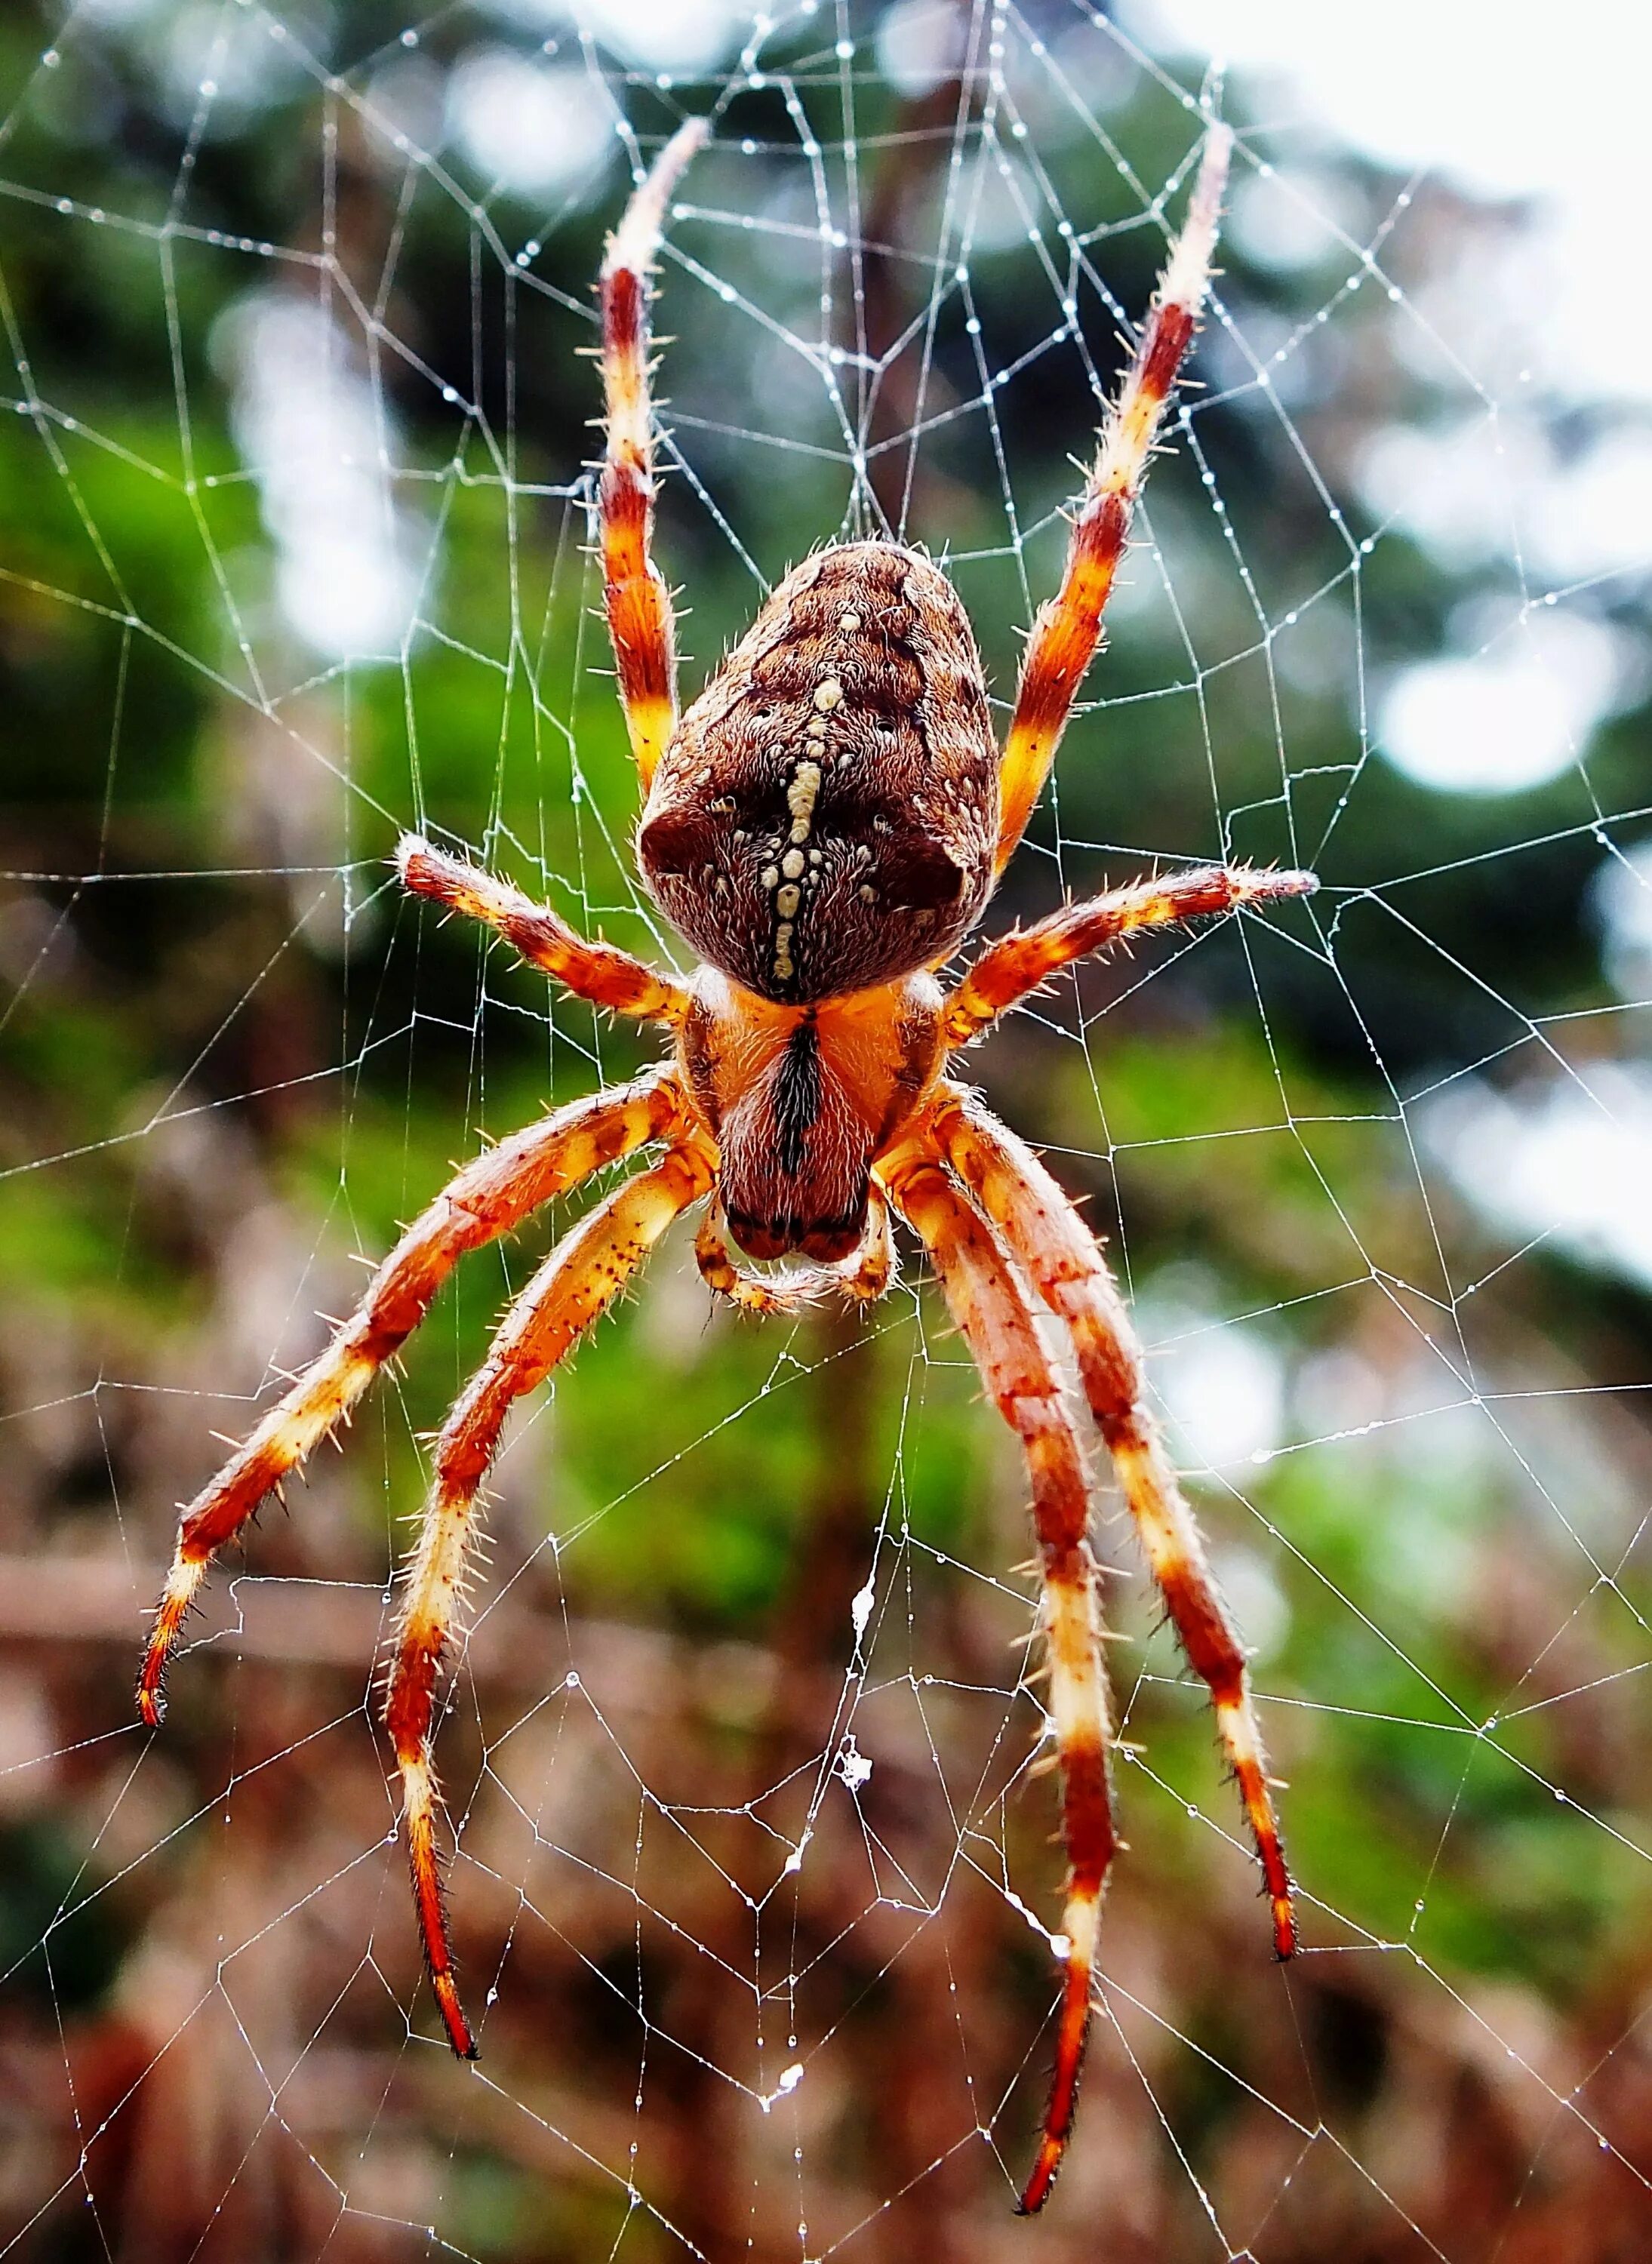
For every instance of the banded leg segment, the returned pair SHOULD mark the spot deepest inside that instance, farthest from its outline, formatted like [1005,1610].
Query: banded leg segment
[991,1311]
[1047,1239]
[638,603]
[572,1289]
[608,978]
[487,1198]
[1067,630]
[1016,966]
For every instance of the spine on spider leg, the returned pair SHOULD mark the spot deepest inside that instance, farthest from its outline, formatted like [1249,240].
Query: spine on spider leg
[1067,630]
[636,600]
[1131,431]
[420,1800]
[433,1592]
[1111,1370]
[490,1197]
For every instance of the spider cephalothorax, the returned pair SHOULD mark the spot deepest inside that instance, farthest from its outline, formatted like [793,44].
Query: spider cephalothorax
[824,826]
[800,1104]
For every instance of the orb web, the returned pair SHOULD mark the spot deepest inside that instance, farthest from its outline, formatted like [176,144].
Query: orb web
[744,1751]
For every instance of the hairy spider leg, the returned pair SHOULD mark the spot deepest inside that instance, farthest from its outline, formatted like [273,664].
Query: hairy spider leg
[1067,630]
[1050,1243]
[610,978]
[1019,963]
[571,1290]
[639,605]
[991,1310]
[487,1198]
[863,1276]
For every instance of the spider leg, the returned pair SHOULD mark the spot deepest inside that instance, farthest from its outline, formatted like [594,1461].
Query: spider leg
[571,1290]
[487,1198]
[1020,962]
[864,1276]
[992,1312]
[1049,1241]
[638,603]
[608,978]
[1067,630]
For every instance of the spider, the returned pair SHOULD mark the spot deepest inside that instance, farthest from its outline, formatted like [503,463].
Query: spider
[825,825]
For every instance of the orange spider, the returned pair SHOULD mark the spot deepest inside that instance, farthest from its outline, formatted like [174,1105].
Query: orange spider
[825,825]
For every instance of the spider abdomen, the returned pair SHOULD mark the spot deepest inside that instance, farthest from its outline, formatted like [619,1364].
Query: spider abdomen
[825,817]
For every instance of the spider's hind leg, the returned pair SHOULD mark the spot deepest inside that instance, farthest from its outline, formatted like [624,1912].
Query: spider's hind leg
[637,601]
[1067,629]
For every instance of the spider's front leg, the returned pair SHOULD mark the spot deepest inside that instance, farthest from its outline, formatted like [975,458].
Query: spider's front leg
[575,1286]
[991,1311]
[489,1198]
[1050,1243]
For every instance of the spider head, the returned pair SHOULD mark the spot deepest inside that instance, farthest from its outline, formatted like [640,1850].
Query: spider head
[825,817]
[802,1099]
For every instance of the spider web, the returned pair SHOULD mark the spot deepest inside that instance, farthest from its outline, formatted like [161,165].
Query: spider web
[752,1891]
